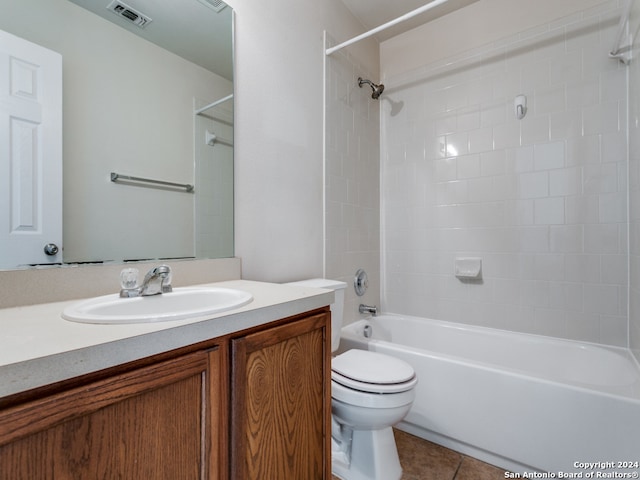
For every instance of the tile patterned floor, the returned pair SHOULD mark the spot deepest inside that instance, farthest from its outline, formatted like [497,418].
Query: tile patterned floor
[423,460]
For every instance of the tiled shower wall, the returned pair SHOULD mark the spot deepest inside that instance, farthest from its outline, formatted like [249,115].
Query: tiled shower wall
[542,200]
[214,192]
[634,192]
[352,178]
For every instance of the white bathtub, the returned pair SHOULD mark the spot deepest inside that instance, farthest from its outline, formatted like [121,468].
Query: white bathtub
[523,402]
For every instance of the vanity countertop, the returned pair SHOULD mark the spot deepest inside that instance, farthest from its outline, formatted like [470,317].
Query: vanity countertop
[38,347]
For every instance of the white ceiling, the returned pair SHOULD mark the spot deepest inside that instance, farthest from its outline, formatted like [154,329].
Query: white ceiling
[184,27]
[187,28]
[373,13]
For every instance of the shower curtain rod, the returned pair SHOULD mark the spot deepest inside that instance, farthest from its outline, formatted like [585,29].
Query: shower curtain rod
[384,26]
[213,104]
[619,51]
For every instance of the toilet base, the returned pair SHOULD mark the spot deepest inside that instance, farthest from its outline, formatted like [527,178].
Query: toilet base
[374,456]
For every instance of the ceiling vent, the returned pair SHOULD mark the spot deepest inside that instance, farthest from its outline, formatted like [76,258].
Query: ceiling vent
[130,14]
[216,5]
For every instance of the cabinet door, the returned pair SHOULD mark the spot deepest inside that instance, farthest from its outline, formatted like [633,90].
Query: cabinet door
[281,402]
[151,423]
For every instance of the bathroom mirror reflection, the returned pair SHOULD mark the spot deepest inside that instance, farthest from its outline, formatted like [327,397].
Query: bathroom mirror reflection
[137,77]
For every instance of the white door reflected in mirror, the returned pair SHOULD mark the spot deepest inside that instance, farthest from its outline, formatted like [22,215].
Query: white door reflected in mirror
[30,153]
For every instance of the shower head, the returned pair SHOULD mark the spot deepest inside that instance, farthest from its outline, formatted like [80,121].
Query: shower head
[376,89]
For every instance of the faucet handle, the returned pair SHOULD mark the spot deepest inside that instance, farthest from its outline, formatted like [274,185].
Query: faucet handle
[129,278]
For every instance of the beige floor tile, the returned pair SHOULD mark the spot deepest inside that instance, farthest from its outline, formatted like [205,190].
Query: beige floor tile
[424,460]
[472,469]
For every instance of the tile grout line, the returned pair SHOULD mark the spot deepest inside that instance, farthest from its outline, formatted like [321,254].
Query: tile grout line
[458,469]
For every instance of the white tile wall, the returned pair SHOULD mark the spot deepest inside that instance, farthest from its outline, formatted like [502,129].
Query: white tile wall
[634,194]
[214,203]
[542,200]
[352,179]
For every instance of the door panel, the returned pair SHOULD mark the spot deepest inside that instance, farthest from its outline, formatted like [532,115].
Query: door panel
[30,152]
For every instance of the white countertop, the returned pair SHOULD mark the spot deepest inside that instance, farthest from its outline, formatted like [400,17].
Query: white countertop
[39,347]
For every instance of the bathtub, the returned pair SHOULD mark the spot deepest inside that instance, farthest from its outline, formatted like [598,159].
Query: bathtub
[526,403]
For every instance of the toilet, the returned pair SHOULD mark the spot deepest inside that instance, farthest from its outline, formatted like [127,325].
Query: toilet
[370,392]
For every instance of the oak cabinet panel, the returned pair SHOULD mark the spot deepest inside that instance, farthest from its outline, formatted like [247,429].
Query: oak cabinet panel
[281,401]
[149,423]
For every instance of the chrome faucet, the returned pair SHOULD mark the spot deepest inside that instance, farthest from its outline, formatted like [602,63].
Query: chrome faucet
[368,309]
[156,281]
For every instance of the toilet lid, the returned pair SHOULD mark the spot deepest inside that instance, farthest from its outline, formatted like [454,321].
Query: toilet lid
[354,385]
[371,371]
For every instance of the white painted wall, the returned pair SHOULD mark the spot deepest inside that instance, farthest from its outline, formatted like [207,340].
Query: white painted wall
[279,133]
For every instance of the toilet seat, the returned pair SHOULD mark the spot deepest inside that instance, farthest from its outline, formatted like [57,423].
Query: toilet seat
[372,372]
[356,398]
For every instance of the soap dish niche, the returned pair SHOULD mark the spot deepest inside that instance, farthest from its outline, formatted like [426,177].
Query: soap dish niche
[468,269]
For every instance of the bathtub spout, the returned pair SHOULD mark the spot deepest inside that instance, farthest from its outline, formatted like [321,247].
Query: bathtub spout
[373,310]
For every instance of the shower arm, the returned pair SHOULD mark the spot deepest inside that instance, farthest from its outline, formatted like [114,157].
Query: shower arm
[362,81]
[375,88]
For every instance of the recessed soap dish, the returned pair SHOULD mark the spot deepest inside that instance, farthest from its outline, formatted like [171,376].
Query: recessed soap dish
[468,268]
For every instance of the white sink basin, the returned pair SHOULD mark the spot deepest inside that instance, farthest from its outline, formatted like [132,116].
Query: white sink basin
[186,302]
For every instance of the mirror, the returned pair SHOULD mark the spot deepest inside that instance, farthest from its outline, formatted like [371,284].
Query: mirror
[134,103]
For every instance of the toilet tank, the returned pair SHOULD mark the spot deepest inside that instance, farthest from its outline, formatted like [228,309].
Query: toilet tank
[337,308]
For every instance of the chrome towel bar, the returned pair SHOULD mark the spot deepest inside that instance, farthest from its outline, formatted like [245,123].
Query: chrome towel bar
[117,176]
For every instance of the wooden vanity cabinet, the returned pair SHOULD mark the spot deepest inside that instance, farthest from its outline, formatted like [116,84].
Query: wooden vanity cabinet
[153,423]
[175,416]
[281,402]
